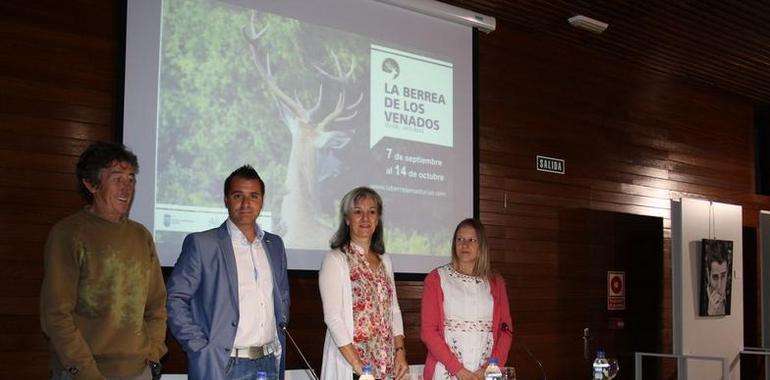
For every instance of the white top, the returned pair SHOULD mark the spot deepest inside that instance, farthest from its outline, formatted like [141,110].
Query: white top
[256,327]
[337,299]
[468,306]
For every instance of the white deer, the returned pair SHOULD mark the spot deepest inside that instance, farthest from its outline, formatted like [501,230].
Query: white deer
[300,207]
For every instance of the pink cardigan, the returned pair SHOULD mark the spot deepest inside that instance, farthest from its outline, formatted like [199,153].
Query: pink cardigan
[432,325]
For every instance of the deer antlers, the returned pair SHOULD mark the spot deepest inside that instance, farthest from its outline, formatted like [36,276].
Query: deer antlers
[291,108]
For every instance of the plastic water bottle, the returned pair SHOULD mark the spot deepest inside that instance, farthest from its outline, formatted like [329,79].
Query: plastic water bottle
[600,366]
[261,375]
[492,372]
[366,373]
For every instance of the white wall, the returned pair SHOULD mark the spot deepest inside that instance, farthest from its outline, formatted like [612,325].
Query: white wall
[691,221]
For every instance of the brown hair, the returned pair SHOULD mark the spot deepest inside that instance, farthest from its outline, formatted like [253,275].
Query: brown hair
[482,268]
[98,156]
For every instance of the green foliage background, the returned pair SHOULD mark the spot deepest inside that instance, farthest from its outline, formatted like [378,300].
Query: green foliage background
[215,113]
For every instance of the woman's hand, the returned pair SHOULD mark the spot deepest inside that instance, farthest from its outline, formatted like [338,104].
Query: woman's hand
[358,369]
[401,366]
[399,358]
[480,372]
[351,355]
[464,374]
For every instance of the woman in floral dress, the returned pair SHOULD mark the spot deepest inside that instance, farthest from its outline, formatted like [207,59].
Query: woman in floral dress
[465,319]
[358,293]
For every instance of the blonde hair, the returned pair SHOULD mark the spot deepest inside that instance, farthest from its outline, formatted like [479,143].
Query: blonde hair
[482,268]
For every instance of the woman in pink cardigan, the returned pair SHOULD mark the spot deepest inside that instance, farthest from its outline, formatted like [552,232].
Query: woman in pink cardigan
[465,316]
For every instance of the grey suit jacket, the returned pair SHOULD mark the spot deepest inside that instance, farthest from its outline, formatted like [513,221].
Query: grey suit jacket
[203,299]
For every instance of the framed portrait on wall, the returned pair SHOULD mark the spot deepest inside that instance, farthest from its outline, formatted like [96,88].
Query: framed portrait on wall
[716,277]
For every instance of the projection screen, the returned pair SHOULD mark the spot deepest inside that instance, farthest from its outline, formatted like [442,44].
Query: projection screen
[318,96]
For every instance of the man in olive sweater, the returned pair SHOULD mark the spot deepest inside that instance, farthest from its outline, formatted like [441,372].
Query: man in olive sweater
[103,301]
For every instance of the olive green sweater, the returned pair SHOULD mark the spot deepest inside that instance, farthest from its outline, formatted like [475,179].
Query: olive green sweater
[103,300]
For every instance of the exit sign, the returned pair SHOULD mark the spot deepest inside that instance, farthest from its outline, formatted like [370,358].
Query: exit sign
[550,165]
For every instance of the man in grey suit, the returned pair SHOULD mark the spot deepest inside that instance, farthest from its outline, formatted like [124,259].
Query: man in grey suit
[228,296]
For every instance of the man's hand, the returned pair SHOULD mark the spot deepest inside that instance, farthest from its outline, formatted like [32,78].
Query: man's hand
[155,370]
[716,303]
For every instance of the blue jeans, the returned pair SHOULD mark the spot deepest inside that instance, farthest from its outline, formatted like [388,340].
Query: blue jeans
[246,369]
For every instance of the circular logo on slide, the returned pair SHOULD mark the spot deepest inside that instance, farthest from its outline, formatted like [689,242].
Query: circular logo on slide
[390,66]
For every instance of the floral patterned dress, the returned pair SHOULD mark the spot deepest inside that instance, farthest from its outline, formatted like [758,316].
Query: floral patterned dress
[467,319]
[372,312]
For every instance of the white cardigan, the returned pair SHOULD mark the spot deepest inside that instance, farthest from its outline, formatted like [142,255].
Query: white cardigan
[337,299]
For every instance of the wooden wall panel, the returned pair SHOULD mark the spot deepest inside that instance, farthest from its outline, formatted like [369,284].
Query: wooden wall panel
[58,77]
[632,140]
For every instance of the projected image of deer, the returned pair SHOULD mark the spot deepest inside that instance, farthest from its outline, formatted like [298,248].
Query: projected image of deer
[317,110]
[311,156]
